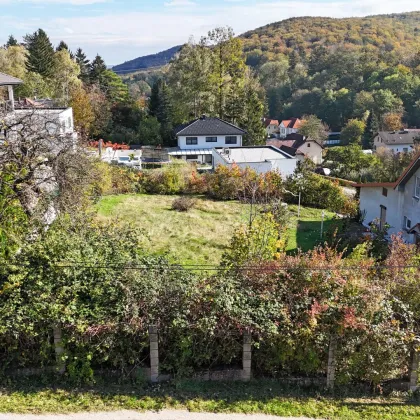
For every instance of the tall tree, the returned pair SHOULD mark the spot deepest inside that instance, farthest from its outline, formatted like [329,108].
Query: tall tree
[84,65]
[160,107]
[228,65]
[40,53]
[313,128]
[11,42]
[353,132]
[97,67]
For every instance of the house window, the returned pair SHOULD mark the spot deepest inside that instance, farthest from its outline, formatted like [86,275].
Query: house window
[192,157]
[405,149]
[384,192]
[211,139]
[309,144]
[231,140]
[417,188]
[407,223]
[192,140]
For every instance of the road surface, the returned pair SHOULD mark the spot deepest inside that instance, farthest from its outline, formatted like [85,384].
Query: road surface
[133,415]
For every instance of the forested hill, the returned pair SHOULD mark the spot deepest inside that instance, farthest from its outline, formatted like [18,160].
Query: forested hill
[386,33]
[153,60]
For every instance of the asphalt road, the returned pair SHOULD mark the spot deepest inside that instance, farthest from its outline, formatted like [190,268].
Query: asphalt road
[133,415]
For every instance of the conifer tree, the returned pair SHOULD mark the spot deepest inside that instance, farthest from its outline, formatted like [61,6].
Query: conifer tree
[40,53]
[160,106]
[62,46]
[84,65]
[97,67]
[11,42]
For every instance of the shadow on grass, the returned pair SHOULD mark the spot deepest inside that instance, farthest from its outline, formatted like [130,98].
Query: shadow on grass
[258,396]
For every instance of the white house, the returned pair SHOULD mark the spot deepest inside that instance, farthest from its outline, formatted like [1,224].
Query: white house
[297,146]
[396,141]
[395,203]
[289,127]
[197,139]
[272,127]
[260,158]
[56,120]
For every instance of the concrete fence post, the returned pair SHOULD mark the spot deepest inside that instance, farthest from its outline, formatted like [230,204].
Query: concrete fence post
[332,349]
[414,368]
[154,353]
[246,357]
[59,350]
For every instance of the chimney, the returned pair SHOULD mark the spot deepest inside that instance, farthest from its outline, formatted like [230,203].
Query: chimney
[203,117]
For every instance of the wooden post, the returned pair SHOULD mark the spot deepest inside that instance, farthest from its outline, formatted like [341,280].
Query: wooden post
[154,353]
[332,348]
[414,368]
[246,357]
[59,350]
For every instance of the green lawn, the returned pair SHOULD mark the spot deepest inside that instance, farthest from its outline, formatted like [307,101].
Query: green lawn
[268,396]
[201,235]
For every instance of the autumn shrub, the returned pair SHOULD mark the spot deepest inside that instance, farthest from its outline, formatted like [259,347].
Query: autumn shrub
[183,204]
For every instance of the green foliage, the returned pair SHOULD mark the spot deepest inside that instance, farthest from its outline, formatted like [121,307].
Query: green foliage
[150,132]
[313,128]
[353,131]
[40,53]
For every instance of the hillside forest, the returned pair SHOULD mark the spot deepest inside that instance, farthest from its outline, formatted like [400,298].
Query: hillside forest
[362,70]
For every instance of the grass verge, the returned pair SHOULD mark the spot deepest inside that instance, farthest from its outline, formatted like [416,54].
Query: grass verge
[268,397]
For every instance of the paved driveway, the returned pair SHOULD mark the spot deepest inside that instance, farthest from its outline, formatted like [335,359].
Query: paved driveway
[132,415]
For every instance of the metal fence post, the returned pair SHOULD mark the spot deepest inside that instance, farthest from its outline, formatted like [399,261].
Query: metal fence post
[154,353]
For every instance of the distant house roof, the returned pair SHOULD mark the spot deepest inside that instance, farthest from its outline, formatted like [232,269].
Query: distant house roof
[399,137]
[6,80]
[269,121]
[206,126]
[293,141]
[289,150]
[292,123]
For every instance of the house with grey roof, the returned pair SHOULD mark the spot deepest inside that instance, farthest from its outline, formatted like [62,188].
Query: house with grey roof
[197,139]
[396,141]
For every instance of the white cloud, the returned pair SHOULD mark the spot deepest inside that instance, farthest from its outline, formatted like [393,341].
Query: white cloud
[42,2]
[126,35]
[179,3]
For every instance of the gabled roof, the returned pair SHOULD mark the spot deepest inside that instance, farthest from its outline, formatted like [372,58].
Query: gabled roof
[398,137]
[269,121]
[206,126]
[292,123]
[295,141]
[402,180]
[6,80]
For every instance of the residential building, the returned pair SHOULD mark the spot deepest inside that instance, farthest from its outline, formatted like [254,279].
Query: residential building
[297,146]
[260,158]
[289,127]
[396,141]
[42,113]
[395,203]
[272,127]
[197,139]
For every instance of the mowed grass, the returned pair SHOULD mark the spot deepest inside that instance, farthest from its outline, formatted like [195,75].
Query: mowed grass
[201,235]
[260,396]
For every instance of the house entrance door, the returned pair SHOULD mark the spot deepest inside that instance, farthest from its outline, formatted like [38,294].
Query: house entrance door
[382,221]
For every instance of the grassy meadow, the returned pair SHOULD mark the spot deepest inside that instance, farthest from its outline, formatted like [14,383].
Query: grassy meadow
[201,235]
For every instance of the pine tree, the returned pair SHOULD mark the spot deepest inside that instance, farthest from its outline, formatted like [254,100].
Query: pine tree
[160,106]
[11,42]
[41,53]
[62,46]
[84,65]
[97,67]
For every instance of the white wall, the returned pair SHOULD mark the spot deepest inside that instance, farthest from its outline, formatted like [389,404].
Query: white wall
[411,206]
[313,151]
[371,199]
[202,144]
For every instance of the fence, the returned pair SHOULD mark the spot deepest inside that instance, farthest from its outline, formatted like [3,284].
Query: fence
[154,374]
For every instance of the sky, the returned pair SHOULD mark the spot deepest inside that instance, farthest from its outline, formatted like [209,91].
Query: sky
[120,30]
